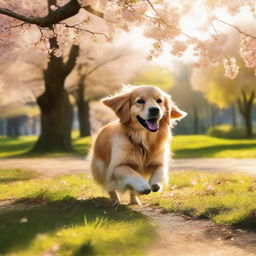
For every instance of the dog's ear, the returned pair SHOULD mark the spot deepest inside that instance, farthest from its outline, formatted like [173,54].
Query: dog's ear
[173,112]
[120,104]
[176,113]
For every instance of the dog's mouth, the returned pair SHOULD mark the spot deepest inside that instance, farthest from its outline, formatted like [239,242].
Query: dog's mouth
[151,125]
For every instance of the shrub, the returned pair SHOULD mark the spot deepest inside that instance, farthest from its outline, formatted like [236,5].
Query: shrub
[226,131]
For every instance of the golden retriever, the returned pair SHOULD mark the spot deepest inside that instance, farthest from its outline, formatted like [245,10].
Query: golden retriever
[134,152]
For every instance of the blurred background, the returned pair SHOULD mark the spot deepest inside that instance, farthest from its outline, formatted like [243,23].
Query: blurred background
[216,106]
[35,83]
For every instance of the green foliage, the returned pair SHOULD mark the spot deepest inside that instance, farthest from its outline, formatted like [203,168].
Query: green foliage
[226,131]
[61,216]
[223,198]
[19,110]
[221,90]
[157,76]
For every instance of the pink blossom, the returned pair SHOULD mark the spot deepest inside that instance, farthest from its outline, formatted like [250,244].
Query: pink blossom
[53,7]
[178,47]
[248,51]
[231,68]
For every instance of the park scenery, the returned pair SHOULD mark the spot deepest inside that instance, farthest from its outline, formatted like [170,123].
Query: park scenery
[59,58]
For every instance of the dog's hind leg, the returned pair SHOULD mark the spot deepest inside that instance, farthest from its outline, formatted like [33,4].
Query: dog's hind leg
[134,199]
[114,198]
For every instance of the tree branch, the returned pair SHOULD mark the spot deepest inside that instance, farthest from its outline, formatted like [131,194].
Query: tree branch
[86,30]
[71,62]
[251,98]
[66,11]
[89,9]
[104,63]
[16,26]
[164,22]
[236,28]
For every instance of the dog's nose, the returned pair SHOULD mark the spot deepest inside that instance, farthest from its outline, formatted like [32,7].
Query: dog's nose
[153,111]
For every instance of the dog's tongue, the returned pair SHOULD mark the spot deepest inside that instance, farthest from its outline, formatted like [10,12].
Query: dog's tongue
[152,124]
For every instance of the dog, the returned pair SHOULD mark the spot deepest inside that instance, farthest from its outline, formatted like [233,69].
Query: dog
[133,153]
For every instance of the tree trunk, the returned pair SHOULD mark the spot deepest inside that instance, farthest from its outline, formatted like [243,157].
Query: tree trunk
[245,105]
[196,121]
[56,110]
[55,135]
[13,127]
[233,113]
[83,110]
[84,119]
[212,116]
[248,124]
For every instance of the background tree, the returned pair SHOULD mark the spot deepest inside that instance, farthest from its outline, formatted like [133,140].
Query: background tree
[191,101]
[177,83]
[223,91]
[155,75]
[98,73]
[58,22]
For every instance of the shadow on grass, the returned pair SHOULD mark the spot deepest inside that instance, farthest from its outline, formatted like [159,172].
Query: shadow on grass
[15,148]
[9,180]
[53,216]
[211,150]
[246,223]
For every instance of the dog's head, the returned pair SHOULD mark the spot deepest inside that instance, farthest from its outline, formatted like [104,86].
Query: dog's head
[144,106]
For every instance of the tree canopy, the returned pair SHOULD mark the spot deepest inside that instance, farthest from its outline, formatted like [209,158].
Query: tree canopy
[161,21]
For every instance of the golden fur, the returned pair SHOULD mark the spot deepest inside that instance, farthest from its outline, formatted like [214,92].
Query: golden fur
[125,154]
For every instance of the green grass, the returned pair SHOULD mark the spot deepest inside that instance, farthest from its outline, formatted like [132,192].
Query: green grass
[19,147]
[183,146]
[10,175]
[192,146]
[223,198]
[68,216]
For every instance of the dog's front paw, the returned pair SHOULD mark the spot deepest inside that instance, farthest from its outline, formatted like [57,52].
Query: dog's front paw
[156,187]
[140,185]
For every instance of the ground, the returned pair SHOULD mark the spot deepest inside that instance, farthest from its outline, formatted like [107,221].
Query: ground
[77,164]
[39,202]
[183,236]
[50,206]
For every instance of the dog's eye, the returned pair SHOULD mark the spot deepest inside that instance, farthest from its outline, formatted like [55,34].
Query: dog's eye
[159,101]
[141,101]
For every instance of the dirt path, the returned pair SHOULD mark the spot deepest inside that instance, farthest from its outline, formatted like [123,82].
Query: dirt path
[48,167]
[246,165]
[56,166]
[178,236]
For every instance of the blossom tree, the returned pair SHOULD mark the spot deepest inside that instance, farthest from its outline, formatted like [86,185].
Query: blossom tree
[58,21]
[98,73]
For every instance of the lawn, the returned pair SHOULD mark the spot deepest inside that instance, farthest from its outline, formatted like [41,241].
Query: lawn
[19,147]
[70,215]
[66,216]
[183,146]
[191,146]
[223,198]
